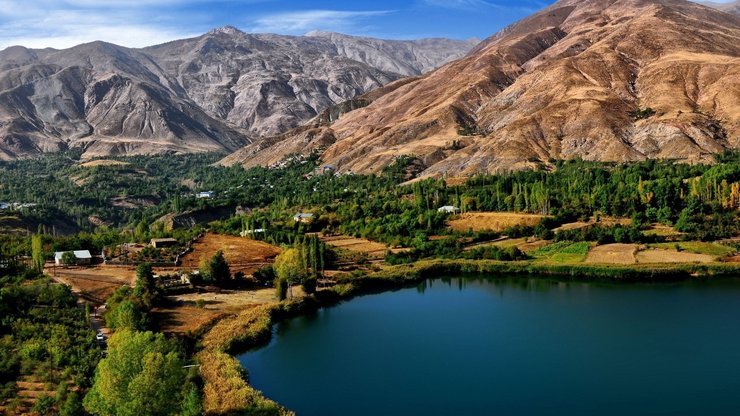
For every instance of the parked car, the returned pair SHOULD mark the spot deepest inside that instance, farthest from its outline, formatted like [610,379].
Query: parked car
[100,337]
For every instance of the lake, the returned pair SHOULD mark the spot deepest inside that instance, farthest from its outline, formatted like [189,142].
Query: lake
[511,346]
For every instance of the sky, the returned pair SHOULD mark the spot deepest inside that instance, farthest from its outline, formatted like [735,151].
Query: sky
[138,23]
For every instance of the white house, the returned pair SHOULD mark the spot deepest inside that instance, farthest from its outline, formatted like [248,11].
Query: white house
[81,256]
[449,209]
[205,194]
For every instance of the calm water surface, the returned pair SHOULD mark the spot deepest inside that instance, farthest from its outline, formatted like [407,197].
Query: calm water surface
[467,346]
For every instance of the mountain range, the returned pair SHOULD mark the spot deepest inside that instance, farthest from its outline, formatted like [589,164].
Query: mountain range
[216,92]
[606,80]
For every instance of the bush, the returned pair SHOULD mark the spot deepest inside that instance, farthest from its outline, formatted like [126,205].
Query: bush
[309,285]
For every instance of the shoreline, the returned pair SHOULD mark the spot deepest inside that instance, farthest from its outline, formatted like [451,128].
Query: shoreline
[227,390]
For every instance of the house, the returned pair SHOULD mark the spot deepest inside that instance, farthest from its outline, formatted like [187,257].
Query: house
[250,232]
[205,194]
[303,217]
[81,257]
[163,242]
[449,209]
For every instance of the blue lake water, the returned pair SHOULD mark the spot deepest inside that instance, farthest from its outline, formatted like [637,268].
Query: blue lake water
[511,346]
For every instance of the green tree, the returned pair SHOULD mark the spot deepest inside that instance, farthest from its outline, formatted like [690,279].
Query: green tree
[37,253]
[69,258]
[72,405]
[192,404]
[145,289]
[126,315]
[219,268]
[289,265]
[142,375]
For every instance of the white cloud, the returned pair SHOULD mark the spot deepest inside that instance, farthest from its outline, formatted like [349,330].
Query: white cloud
[65,23]
[471,5]
[299,22]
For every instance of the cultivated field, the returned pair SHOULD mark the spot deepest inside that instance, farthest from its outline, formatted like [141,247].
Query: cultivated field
[613,254]
[527,245]
[672,256]
[193,310]
[360,245]
[603,221]
[242,254]
[94,283]
[492,221]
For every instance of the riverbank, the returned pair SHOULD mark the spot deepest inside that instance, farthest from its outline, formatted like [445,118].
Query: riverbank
[226,387]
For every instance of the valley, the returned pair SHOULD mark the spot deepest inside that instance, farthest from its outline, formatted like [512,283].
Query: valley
[205,226]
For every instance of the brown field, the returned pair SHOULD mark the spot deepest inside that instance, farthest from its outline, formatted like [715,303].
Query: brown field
[732,259]
[104,162]
[492,221]
[612,254]
[94,283]
[672,256]
[524,244]
[188,317]
[661,231]
[605,221]
[242,254]
[360,245]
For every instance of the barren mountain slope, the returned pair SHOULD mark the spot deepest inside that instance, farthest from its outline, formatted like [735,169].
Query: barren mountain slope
[271,83]
[101,97]
[575,80]
[211,93]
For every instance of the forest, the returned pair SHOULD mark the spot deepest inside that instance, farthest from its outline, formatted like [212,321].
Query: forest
[113,203]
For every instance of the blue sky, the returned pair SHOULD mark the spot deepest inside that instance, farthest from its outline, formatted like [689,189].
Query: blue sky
[137,23]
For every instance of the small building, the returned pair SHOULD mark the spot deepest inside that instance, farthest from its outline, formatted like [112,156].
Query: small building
[449,209]
[204,195]
[81,257]
[251,232]
[163,242]
[303,217]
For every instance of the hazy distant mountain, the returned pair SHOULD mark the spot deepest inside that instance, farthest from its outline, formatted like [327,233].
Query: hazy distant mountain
[609,80]
[214,92]
[732,7]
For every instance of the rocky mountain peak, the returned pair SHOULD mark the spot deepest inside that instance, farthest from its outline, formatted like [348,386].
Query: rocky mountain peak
[609,80]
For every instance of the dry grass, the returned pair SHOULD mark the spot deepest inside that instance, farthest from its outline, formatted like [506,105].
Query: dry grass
[242,254]
[492,221]
[732,259]
[661,230]
[698,247]
[672,256]
[613,254]
[358,245]
[603,221]
[104,162]
[182,315]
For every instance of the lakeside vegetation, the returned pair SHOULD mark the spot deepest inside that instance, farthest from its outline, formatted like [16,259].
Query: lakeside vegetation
[97,206]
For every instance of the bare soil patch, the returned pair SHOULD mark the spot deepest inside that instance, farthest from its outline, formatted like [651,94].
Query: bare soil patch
[242,254]
[613,254]
[672,256]
[492,221]
[94,283]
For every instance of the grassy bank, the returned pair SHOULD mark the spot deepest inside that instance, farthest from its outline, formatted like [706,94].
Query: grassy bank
[226,390]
